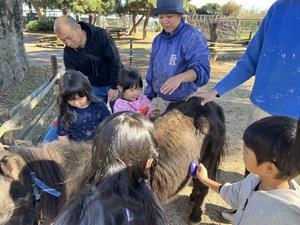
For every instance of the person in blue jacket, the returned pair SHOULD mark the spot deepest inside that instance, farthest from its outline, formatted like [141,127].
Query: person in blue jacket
[179,60]
[273,57]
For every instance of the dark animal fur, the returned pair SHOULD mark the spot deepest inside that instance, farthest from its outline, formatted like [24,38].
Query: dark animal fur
[187,132]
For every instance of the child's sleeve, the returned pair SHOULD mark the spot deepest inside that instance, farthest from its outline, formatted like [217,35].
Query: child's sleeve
[120,106]
[230,193]
[104,111]
[61,131]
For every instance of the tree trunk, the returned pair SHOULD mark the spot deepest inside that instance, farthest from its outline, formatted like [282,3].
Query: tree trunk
[13,63]
[135,25]
[40,11]
[30,8]
[146,21]
[77,17]
[90,18]
[95,18]
[134,22]
[213,28]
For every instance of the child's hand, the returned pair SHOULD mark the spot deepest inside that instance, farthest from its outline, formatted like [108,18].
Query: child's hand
[201,172]
[154,114]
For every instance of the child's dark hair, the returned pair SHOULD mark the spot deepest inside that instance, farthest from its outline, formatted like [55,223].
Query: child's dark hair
[129,78]
[120,193]
[276,139]
[72,84]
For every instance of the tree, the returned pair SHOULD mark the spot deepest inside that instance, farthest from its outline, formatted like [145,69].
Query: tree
[90,7]
[13,62]
[140,8]
[253,13]
[192,9]
[137,8]
[231,9]
[210,9]
[41,6]
[93,7]
[64,5]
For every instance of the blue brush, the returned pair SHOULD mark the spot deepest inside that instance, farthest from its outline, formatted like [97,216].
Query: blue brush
[193,168]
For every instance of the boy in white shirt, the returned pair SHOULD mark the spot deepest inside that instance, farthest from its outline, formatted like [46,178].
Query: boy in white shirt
[268,195]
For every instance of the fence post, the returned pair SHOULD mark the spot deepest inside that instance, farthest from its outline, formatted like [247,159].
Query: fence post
[250,36]
[54,67]
[130,53]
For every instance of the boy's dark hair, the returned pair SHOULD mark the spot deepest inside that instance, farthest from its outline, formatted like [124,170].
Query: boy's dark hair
[129,78]
[72,84]
[274,139]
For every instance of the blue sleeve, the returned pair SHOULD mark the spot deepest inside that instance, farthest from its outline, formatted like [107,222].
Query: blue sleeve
[104,110]
[246,66]
[149,92]
[61,131]
[198,57]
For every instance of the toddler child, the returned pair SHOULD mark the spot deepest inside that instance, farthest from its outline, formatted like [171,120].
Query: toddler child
[130,85]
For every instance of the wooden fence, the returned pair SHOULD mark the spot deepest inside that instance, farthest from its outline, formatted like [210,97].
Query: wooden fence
[27,131]
[225,28]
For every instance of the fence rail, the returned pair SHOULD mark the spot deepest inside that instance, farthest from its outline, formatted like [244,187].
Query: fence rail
[25,107]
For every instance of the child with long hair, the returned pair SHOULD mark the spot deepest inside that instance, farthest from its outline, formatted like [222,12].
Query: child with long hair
[80,112]
[268,195]
[130,85]
[122,154]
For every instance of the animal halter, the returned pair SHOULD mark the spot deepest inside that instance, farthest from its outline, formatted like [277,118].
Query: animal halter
[38,184]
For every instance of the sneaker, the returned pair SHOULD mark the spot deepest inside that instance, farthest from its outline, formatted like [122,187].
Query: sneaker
[227,215]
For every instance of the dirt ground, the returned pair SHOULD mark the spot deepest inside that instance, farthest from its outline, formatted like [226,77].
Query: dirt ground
[236,107]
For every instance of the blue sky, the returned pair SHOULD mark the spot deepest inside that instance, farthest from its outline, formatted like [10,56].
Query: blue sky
[247,4]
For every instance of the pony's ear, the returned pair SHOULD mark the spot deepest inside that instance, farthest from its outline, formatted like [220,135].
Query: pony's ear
[11,166]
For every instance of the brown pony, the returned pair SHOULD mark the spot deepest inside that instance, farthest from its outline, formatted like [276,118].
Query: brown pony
[187,131]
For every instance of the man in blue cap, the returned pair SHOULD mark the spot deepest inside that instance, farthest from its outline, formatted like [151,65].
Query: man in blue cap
[179,61]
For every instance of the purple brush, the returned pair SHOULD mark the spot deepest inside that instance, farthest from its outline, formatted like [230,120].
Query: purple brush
[193,168]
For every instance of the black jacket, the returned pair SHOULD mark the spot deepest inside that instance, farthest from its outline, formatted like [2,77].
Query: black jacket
[99,60]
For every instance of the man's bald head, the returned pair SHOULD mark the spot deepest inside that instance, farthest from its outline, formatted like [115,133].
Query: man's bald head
[63,22]
[69,32]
